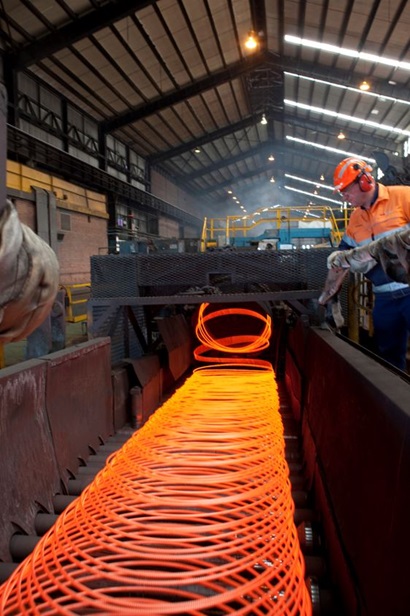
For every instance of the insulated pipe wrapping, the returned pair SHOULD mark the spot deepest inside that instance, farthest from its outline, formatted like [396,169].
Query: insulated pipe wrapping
[192,516]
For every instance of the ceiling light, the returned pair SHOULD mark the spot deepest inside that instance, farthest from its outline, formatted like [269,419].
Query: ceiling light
[322,177]
[348,118]
[304,192]
[364,86]
[374,111]
[341,135]
[271,157]
[252,41]
[264,120]
[350,89]
[229,192]
[329,149]
[197,150]
[272,180]
[351,53]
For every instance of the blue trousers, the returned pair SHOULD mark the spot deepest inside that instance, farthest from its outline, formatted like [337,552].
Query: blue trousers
[391,320]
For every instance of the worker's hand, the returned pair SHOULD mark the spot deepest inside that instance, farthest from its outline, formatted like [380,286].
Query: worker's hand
[337,260]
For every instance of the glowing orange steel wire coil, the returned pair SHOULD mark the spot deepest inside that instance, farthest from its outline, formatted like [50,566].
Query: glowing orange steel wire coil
[192,516]
[235,344]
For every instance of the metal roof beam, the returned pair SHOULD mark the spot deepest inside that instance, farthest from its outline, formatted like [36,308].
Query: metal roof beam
[74,31]
[232,160]
[156,159]
[258,13]
[244,176]
[232,183]
[270,147]
[193,89]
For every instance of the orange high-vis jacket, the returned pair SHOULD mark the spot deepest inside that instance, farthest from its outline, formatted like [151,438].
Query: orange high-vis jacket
[390,213]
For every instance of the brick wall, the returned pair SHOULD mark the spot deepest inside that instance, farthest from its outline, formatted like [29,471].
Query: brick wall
[87,237]
[26,211]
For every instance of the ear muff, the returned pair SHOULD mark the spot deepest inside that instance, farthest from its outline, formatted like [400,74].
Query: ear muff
[364,178]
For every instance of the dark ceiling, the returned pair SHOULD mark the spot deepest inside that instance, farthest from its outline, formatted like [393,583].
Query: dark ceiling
[169,77]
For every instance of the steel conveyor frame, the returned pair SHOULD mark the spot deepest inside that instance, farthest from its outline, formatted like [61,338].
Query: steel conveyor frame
[355,420]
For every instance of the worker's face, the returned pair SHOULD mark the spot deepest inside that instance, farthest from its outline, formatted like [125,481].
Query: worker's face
[355,196]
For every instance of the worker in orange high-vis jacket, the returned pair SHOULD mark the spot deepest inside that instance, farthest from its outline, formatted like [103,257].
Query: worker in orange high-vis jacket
[378,211]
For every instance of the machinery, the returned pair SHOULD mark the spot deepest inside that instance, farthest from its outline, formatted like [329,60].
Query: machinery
[279,226]
[306,234]
[344,414]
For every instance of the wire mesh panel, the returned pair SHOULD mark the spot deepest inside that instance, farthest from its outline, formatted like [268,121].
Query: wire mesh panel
[114,276]
[165,274]
[285,268]
[106,320]
[131,275]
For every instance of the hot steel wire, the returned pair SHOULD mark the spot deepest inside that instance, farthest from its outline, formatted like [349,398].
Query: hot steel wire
[192,516]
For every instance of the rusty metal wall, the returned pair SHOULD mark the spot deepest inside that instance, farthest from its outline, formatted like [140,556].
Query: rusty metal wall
[51,411]
[146,394]
[356,432]
[120,380]
[28,464]
[177,339]
[79,401]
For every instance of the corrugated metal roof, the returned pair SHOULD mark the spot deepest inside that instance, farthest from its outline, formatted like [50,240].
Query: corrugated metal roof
[168,76]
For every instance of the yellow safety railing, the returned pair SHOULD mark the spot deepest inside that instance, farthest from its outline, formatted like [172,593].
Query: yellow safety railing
[76,295]
[245,226]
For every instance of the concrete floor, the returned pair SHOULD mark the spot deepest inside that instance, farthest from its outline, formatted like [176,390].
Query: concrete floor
[15,352]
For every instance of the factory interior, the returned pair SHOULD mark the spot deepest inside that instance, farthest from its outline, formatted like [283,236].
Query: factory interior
[190,430]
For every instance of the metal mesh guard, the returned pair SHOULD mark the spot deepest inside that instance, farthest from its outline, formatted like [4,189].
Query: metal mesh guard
[161,274]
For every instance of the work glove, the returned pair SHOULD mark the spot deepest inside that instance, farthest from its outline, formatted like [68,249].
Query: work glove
[333,313]
[358,260]
[337,259]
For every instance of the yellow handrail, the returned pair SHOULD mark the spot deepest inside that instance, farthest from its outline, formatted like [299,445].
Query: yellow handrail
[71,301]
[240,226]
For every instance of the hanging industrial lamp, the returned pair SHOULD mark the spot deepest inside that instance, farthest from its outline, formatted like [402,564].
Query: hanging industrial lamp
[252,41]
